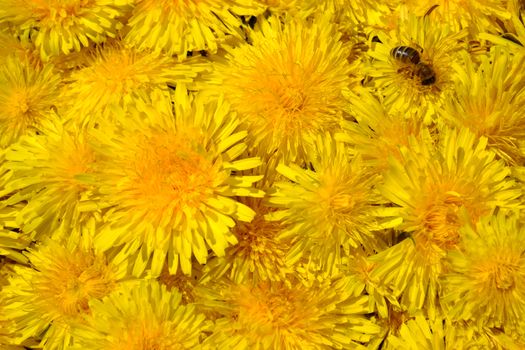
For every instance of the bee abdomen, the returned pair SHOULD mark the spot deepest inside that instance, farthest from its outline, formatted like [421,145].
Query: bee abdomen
[405,54]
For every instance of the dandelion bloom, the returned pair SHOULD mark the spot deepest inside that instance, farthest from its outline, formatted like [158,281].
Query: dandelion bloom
[49,177]
[486,278]
[116,77]
[289,315]
[404,86]
[52,296]
[489,100]
[476,15]
[438,189]
[331,208]
[28,96]
[144,317]
[60,27]
[170,181]
[178,26]
[287,85]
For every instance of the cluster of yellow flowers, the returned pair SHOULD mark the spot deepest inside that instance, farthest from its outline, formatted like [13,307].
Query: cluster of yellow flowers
[262,174]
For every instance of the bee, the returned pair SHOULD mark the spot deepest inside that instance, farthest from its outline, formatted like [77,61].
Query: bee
[405,54]
[411,58]
[425,73]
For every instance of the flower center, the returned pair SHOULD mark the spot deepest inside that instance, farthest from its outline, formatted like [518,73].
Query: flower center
[292,99]
[441,221]
[171,171]
[20,107]
[71,287]
[264,308]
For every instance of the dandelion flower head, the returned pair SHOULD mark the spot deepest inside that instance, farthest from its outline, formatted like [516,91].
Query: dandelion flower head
[143,317]
[28,96]
[328,209]
[52,174]
[52,296]
[169,179]
[403,85]
[178,26]
[116,77]
[488,100]
[62,26]
[286,86]
[272,315]
[439,189]
[486,280]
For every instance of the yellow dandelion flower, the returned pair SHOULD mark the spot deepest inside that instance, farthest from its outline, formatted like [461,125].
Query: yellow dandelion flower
[50,298]
[51,174]
[476,15]
[378,134]
[58,26]
[273,315]
[437,189]
[145,317]
[331,208]
[486,278]
[415,80]
[117,76]
[259,255]
[170,179]
[28,95]
[176,27]
[489,100]
[287,85]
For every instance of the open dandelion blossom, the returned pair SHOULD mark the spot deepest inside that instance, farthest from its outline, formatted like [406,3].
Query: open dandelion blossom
[476,15]
[178,26]
[331,208]
[170,181]
[412,66]
[28,95]
[489,100]
[117,76]
[486,279]
[287,86]
[275,315]
[438,190]
[143,317]
[50,298]
[60,27]
[50,174]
